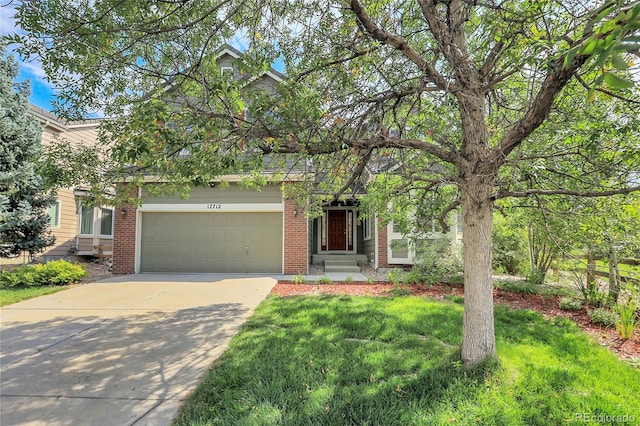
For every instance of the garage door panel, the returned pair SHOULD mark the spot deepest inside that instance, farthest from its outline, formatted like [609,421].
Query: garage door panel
[211,242]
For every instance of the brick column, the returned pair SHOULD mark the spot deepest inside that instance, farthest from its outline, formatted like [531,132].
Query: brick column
[382,245]
[124,238]
[296,233]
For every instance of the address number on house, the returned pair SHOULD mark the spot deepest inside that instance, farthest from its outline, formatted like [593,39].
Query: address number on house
[214,206]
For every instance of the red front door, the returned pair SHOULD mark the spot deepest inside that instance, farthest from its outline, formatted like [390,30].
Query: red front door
[337,227]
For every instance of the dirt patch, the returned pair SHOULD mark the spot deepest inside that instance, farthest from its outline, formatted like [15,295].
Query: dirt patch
[96,270]
[547,306]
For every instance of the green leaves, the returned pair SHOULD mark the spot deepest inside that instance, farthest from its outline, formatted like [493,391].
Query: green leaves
[616,82]
[614,35]
[23,196]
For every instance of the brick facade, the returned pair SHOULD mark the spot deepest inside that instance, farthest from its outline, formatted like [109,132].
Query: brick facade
[383,252]
[124,240]
[296,228]
[296,243]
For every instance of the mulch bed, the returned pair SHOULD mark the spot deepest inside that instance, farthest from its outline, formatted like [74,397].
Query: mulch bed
[547,306]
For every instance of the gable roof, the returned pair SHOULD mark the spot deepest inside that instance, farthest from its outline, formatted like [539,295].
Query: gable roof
[228,50]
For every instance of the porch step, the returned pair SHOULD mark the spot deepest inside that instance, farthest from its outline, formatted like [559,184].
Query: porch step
[341,265]
[319,259]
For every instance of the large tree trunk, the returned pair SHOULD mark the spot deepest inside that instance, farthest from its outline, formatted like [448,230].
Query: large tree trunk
[478,336]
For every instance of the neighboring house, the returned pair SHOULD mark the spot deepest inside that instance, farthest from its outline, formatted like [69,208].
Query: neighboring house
[79,229]
[228,228]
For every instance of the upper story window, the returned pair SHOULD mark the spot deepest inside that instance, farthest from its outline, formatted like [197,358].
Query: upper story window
[227,72]
[54,214]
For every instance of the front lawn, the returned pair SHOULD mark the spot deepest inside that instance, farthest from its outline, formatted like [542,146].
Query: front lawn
[15,295]
[337,360]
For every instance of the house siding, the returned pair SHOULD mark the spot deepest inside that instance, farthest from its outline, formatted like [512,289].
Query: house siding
[79,133]
[233,193]
[66,233]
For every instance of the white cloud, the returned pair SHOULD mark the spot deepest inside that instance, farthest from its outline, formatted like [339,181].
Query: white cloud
[33,67]
[7,20]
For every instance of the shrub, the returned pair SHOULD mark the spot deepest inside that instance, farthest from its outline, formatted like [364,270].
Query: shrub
[456,280]
[550,291]
[60,272]
[569,304]
[535,277]
[627,322]
[395,276]
[299,279]
[517,286]
[324,280]
[509,246]
[454,298]
[591,291]
[55,272]
[348,279]
[399,290]
[438,259]
[370,280]
[603,316]
[415,276]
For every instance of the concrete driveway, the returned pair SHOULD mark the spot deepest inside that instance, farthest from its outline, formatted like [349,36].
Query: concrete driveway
[121,351]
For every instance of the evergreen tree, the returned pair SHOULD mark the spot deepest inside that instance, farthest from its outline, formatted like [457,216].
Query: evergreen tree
[23,199]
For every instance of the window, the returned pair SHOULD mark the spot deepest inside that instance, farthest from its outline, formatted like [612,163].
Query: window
[366,227]
[86,220]
[106,222]
[227,72]
[459,220]
[54,214]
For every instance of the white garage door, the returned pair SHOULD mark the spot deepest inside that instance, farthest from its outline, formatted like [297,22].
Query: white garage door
[211,242]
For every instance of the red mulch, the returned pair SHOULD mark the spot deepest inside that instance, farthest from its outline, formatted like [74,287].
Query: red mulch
[547,306]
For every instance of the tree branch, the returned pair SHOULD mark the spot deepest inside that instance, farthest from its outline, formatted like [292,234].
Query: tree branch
[399,43]
[605,91]
[443,215]
[539,110]
[355,175]
[586,194]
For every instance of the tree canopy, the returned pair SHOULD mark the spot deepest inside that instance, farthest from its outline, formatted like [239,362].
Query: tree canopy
[23,199]
[473,101]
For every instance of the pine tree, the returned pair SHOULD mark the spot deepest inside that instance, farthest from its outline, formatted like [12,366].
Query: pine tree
[23,199]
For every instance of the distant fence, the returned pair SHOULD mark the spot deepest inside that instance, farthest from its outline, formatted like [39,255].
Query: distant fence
[605,274]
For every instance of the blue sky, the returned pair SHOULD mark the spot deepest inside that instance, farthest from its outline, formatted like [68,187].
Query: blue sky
[41,91]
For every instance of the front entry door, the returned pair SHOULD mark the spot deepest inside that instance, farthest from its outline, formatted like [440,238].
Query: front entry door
[337,227]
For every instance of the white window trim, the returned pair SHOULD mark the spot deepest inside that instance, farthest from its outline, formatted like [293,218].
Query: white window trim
[225,70]
[113,215]
[58,203]
[96,231]
[93,228]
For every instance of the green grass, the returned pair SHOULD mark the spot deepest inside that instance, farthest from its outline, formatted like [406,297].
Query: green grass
[332,360]
[14,295]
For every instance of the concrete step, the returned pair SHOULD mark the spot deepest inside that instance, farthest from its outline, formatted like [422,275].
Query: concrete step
[319,259]
[341,265]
